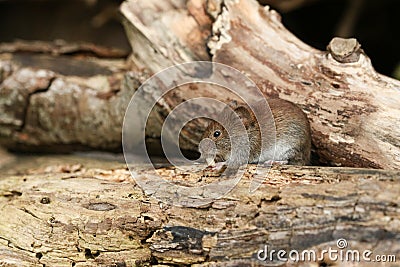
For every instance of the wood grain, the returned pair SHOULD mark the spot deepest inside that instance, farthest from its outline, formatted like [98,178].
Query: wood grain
[85,216]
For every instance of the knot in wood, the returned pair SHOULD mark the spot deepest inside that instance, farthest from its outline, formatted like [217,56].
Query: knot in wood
[345,50]
[45,200]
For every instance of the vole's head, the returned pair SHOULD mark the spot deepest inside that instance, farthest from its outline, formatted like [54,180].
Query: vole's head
[229,128]
[215,143]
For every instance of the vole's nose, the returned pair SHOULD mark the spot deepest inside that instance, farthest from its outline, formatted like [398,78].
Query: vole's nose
[208,151]
[207,146]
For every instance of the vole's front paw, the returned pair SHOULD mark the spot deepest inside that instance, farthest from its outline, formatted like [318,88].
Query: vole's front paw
[215,170]
[219,166]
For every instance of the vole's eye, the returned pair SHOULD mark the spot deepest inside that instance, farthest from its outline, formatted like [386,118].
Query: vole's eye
[217,133]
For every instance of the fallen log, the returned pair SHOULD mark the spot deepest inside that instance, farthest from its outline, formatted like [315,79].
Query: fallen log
[75,215]
[61,103]
[352,109]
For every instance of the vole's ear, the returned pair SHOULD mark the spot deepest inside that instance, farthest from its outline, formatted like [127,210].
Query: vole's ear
[232,105]
[246,115]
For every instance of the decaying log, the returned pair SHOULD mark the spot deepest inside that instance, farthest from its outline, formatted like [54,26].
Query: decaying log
[165,33]
[353,110]
[62,103]
[73,215]
[60,47]
[56,97]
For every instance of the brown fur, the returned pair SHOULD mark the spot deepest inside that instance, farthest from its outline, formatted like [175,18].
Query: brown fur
[292,139]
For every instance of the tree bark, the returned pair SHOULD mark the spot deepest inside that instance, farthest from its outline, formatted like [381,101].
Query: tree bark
[352,109]
[75,215]
[63,102]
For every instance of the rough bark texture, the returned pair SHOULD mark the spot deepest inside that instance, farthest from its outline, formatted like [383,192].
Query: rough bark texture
[61,103]
[56,97]
[76,215]
[352,109]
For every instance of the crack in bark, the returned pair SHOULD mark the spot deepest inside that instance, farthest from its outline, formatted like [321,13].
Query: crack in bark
[30,213]
[28,102]
[10,244]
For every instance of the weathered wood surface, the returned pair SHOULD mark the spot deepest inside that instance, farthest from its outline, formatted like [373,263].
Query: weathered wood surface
[57,102]
[76,215]
[352,109]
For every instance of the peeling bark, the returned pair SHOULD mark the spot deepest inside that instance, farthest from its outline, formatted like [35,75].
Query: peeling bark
[75,215]
[63,103]
[82,216]
[352,109]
